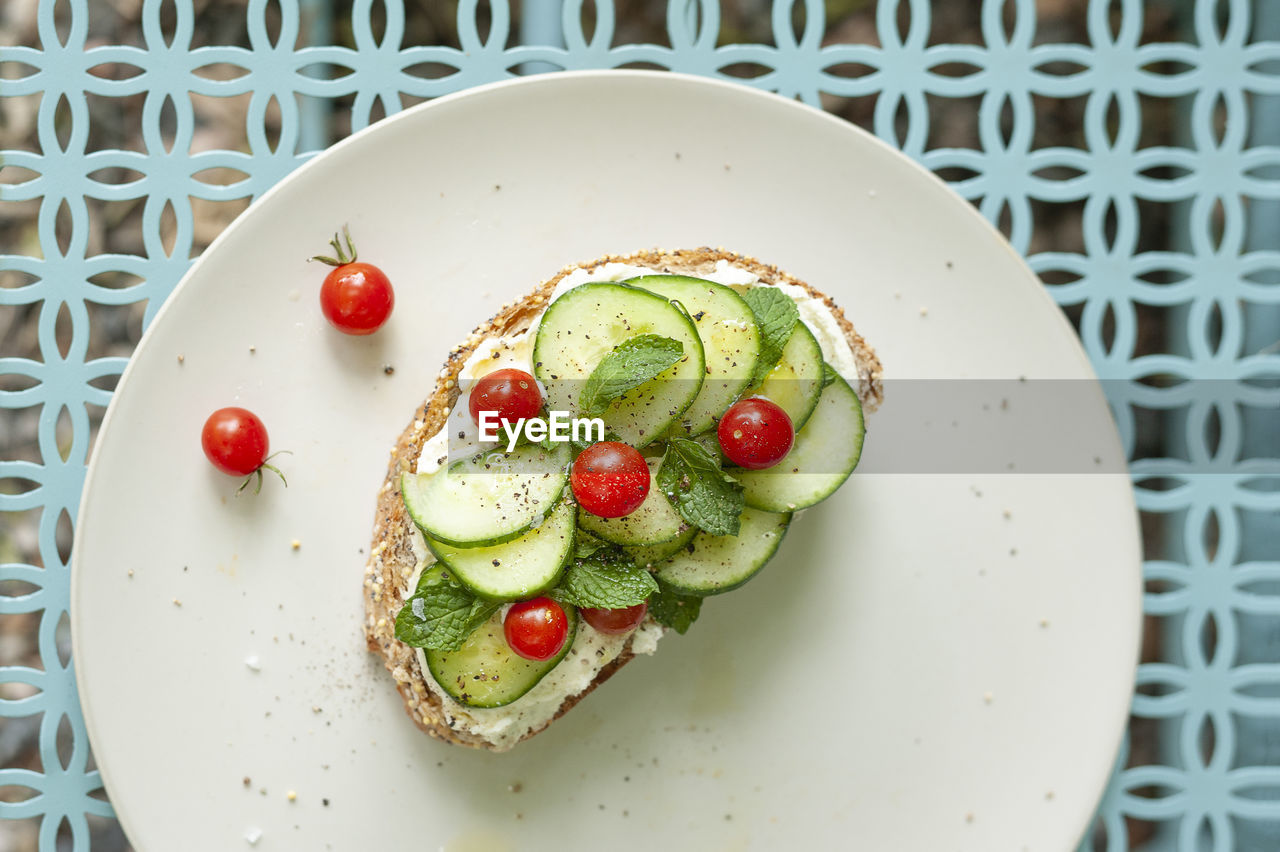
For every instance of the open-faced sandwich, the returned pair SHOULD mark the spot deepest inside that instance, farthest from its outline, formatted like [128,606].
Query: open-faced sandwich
[628,439]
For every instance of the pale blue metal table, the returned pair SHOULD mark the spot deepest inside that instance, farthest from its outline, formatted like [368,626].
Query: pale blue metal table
[1201,769]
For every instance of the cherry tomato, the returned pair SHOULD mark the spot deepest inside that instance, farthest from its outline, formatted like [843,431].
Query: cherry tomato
[235,441]
[536,629]
[610,479]
[614,621]
[513,394]
[755,433]
[356,297]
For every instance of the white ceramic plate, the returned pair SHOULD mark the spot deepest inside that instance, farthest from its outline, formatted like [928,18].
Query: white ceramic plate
[915,671]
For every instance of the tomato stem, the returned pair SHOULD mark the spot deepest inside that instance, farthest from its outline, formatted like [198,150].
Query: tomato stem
[257,489]
[343,257]
[256,476]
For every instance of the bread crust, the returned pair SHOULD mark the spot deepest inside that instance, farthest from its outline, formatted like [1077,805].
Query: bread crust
[392,558]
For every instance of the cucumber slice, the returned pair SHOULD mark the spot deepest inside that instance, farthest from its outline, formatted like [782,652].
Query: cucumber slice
[489,498]
[485,672]
[796,382]
[825,452]
[654,522]
[585,324]
[519,569]
[655,554]
[730,340]
[713,564]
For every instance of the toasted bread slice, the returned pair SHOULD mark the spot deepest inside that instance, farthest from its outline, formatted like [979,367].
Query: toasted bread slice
[392,559]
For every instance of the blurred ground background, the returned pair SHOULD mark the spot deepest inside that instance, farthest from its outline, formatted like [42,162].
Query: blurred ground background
[117,228]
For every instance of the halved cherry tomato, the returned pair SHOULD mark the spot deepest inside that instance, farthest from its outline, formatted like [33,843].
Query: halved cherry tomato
[536,629]
[755,433]
[610,479]
[356,298]
[512,393]
[615,621]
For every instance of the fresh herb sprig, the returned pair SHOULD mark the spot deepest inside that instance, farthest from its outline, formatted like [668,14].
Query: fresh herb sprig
[603,575]
[441,613]
[702,493]
[674,610]
[776,315]
[631,364]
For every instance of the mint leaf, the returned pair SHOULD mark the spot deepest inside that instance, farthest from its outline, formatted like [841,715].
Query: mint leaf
[606,579]
[632,363]
[777,315]
[704,495]
[441,614]
[828,375]
[710,442]
[674,610]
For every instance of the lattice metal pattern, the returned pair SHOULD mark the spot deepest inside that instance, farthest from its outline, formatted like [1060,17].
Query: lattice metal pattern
[1204,774]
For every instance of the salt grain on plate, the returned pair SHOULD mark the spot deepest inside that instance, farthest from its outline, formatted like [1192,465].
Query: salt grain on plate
[253,835]
[253,663]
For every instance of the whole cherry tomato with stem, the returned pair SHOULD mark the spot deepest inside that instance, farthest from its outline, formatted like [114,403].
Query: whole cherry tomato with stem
[610,479]
[512,394]
[356,297]
[755,433]
[536,629]
[235,441]
[615,621]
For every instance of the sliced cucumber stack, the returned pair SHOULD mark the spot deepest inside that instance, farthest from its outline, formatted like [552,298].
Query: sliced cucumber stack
[654,522]
[714,564]
[485,672]
[490,498]
[730,341]
[518,569]
[587,323]
[825,452]
[796,382]
[501,525]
